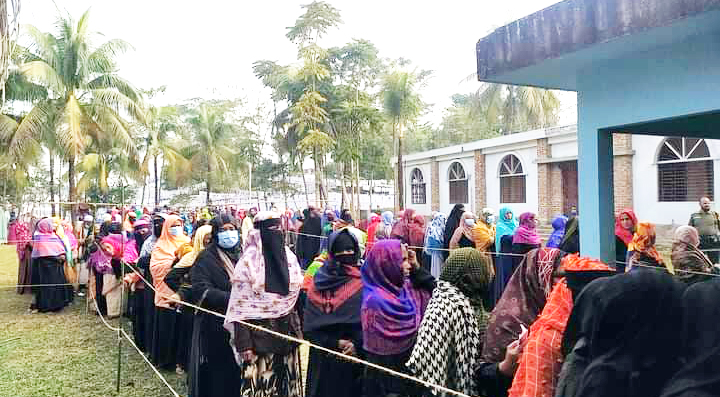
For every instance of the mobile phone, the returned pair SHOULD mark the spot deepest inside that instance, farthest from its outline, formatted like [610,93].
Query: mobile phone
[523,332]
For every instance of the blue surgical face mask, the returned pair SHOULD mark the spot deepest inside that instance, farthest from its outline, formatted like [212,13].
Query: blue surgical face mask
[470,222]
[176,231]
[228,238]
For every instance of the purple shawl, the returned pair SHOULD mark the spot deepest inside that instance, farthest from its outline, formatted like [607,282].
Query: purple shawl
[45,241]
[526,233]
[392,308]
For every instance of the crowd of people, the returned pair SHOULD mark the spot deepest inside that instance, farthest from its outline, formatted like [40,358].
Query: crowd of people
[475,303]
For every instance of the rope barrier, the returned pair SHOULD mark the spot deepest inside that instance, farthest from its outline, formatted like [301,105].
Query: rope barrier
[37,285]
[162,378]
[306,343]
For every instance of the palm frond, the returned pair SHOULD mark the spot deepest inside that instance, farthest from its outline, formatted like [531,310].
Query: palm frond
[43,45]
[71,132]
[28,135]
[117,100]
[40,72]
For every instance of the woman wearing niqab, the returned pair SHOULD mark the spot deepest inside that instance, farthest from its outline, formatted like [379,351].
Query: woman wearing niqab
[265,289]
[451,225]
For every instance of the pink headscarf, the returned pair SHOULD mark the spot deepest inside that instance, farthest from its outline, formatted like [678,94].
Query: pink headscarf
[45,241]
[123,248]
[526,233]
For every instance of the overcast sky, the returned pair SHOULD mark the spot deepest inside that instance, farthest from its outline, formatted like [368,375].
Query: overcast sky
[206,48]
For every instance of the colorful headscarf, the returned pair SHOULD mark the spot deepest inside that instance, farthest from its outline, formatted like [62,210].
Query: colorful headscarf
[687,258]
[643,242]
[387,221]
[434,235]
[375,221]
[471,272]
[46,242]
[526,232]
[522,300]
[625,235]
[392,309]
[198,245]
[122,247]
[558,233]
[505,227]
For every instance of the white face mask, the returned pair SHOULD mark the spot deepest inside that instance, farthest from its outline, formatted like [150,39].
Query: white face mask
[470,222]
[490,219]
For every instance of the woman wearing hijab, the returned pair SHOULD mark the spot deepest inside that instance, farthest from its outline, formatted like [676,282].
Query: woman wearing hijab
[116,250]
[699,344]
[387,221]
[687,259]
[308,241]
[463,236]
[48,257]
[20,236]
[161,261]
[451,225]
[571,240]
[434,243]
[624,349]
[506,225]
[450,339]
[541,362]
[142,232]
[332,320]
[266,286]
[375,223]
[395,294]
[525,237]
[143,265]
[178,280]
[641,250]
[410,230]
[522,300]
[212,370]
[484,231]
[625,224]
[558,233]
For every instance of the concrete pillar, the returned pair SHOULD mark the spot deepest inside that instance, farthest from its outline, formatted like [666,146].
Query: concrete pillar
[480,187]
[595,182]
[435,185]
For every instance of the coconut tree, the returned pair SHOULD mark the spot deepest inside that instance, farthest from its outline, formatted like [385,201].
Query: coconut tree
[402,105]
[514,108]
[86,96]
[211,152]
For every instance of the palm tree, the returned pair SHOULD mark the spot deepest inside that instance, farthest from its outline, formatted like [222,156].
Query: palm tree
[86,96]
[402,104]
[212,153]
[515,108]
[160,122]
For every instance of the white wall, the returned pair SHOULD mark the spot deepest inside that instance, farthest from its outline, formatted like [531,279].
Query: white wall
[468,163]
[564,149]
[426,169]
[645,184]
[527,157]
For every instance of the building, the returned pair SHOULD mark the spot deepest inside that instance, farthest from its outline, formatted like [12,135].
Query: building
[660,178]
[646,67]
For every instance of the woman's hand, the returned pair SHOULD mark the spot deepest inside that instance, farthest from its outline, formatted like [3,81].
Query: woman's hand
[248,356]
[509,365]
[347,347]
[412,258]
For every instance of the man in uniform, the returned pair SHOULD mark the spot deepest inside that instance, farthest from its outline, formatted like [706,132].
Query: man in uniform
[707,224]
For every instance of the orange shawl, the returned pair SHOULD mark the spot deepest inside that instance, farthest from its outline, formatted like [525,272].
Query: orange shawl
[644,241]
[162,258]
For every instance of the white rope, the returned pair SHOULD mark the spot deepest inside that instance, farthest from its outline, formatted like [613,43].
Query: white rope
[162,378]
[307,343]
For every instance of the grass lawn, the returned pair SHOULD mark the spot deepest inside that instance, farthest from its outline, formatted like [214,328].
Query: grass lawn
[70,353]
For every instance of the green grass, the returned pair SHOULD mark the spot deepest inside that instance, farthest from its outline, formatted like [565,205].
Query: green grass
[70,353]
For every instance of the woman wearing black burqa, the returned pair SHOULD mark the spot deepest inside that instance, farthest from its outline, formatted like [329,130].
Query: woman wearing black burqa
[308,245]
[622,336]
[700,344]
[212,370]
[146,330]
[332,320]
[451,225]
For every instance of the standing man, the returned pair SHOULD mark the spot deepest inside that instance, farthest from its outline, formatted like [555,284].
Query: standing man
[707,224]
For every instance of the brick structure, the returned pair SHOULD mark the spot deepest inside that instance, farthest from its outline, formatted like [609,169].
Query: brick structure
[622,171]
[544,182]
[556,183]
[435,185]
[480,188]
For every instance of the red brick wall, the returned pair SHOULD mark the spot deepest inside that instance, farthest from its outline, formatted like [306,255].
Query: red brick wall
[480,187]
[544,182]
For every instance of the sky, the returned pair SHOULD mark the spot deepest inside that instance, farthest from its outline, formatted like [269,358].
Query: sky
[206,49]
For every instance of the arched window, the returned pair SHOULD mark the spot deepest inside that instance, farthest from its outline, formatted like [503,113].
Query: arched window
[685,170]
[458,184]
[417,184]
[512,180]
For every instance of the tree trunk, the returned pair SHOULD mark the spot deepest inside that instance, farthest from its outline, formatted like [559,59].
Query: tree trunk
[357,183]
[318,179]
[343,185]
[372,185]
[207,182]
[401,182]
[302,172]
[157,185]
[52,183]
[72,192]
[395,174]
[142,199]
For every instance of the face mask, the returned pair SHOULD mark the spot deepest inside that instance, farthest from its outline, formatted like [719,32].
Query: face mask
[490,219]
[470,222]
[228,238]
[176,231]
[346,259]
